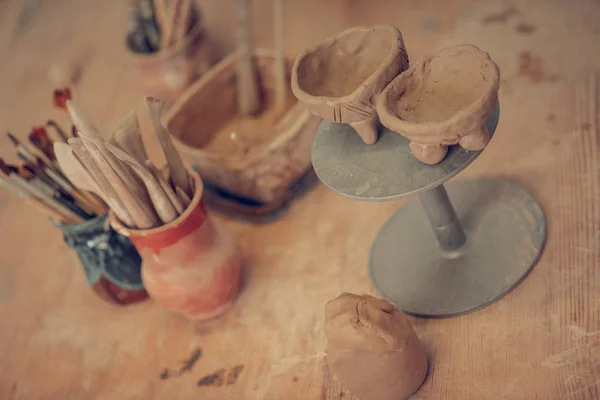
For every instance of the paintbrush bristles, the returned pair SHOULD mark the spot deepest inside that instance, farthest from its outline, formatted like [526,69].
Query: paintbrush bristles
[13,139]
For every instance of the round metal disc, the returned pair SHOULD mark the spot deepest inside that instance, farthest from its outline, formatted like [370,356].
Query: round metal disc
[383,171]
[506,232]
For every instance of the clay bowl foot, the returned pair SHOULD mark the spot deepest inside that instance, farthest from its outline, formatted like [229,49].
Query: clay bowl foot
[442,100]
[339,79]
[366,129]
[475,140]
[429,153]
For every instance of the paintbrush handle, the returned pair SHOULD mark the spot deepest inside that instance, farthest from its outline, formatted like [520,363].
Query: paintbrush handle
[49,201]
[90,206]
[58,129]
[36,203]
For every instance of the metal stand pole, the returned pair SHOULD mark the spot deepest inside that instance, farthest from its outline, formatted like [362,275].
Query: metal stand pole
[443,219]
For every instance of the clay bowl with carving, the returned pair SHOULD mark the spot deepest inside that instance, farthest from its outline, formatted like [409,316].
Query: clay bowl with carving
[339,79]
[442,100]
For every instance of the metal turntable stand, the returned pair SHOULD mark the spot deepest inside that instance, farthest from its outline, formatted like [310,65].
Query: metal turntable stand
[482,239]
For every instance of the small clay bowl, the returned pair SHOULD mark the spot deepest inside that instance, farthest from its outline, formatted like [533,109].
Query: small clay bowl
[339,79]
[442,100]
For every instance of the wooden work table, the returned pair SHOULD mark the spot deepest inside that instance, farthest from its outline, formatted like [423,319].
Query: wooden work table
[542,341]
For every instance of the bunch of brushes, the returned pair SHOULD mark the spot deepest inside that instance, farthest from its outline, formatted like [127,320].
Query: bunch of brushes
[161,24]
[118,169]
[41,182]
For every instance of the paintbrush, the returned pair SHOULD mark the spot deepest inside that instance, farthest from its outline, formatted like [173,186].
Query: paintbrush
[42,191]
[28,154]
[61,97]
[63,198]
[39,138]
[63,209]
[65,190]
[36,203]
[58,129]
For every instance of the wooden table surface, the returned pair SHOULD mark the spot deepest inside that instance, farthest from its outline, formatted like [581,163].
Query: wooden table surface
[542,341]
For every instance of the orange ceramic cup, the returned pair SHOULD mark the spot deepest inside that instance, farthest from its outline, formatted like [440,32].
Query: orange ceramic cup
[191,265]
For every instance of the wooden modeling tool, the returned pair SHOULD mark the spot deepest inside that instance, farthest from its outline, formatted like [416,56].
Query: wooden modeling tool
[127,180]
[177,169]
[128,138]
[281,82]
[143,215]
[81,169]
[185,199]
[182,21]
[81,121]
[169,24]
[247,95]
[162,204]
[177,203]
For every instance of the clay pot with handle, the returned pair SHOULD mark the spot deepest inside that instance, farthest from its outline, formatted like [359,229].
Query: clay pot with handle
[339,79]
[442,100]
[192,264]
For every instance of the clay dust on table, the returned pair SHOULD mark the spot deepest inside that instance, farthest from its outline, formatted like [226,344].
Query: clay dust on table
[239,135]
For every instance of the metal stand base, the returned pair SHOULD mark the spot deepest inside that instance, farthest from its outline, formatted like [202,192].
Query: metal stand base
[505,233]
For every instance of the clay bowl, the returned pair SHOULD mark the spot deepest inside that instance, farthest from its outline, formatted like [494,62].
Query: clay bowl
[340,78]
[262,171]
[442,100]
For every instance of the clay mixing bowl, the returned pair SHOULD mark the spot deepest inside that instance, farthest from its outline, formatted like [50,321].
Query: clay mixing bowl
[339,79]
[442,100]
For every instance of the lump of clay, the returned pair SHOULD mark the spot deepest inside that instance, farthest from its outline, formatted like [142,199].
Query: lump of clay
[372,348]
[442,100]
[339,79]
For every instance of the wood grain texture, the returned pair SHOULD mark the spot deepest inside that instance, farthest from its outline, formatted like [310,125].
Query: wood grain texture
[59,341]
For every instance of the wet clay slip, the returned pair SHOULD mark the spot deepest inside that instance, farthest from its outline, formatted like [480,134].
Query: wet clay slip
[372,348]
[340,78]
[442,100]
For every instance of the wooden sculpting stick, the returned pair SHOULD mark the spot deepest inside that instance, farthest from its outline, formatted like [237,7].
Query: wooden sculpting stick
[129,189]
[281,84]
[128,138]
[182,21]
[143,215]
[162,204]
[176,167]
[166,187]
[81,169]
[247,95]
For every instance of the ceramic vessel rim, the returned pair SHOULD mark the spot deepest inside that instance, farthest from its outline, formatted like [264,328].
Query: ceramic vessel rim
[130,232]
[394,122]
[193,89]
[77,228]
[316,100]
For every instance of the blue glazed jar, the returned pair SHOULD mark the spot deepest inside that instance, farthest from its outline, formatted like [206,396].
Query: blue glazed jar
[111,263]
